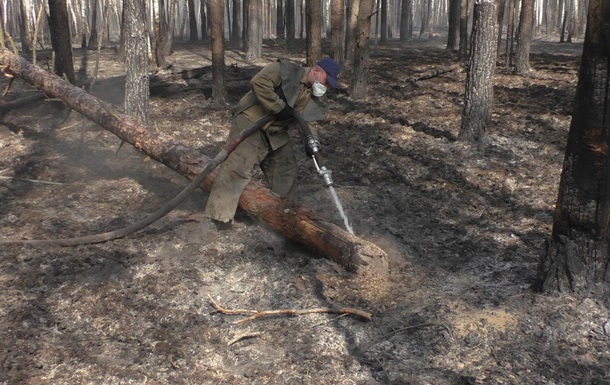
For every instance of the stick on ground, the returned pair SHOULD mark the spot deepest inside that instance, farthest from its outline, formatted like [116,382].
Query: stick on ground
[293,312]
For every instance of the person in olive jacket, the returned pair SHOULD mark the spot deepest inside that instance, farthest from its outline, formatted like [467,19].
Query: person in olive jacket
[277,89]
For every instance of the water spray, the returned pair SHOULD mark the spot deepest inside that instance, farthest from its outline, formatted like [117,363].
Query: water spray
[313,149]
[326,175]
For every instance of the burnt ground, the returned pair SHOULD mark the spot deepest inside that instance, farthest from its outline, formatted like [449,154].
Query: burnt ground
[464,230]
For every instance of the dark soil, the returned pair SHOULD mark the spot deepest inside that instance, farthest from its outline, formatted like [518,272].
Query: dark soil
[464,229]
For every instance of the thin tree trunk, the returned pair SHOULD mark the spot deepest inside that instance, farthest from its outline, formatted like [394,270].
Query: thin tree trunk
[406,20]
[313,22]
[351,38]
[478,96]
[219,90]
[93,36]
[255,33]
[59,24]
[361,55]
[136,60]
[526,24]
[337,32]
[290,24]
[453,35]
[192,20]
[237,23]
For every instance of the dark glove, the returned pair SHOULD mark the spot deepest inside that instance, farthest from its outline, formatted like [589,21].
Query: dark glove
[312,147]
[284,114]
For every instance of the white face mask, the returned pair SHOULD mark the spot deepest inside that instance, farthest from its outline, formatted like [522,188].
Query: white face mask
[317,89]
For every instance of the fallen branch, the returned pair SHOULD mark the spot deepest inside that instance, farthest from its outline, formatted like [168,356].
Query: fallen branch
[434,72]
[292,312]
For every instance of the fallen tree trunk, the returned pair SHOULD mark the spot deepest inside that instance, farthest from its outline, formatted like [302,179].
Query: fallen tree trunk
[295,222]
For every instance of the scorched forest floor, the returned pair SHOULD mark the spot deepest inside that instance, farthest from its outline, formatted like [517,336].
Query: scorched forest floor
[464,230]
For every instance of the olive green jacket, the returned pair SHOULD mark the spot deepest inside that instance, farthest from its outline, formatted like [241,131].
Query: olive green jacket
[277,84]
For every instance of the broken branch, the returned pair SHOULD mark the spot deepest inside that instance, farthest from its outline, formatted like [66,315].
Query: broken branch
[292,312]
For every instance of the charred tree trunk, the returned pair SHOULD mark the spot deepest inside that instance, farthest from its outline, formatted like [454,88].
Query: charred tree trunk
[59,24]
[578,258]
[295,222]
[313,39]
[137,91]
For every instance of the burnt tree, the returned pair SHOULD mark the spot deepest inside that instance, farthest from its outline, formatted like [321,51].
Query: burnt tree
[578,258]
[59,25]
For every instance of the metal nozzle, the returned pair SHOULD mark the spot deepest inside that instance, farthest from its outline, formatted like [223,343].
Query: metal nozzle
[323,172]
[326,175]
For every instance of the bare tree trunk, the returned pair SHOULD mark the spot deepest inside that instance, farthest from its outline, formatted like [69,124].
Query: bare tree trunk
[160,25]
[464,30]
[384,22]
[510,32]
[237,23]
[280,26]
[255,31]
[192,20]
[406,20]
[290,24]
[361,55]
[526,23]
[478,96]
[59,24]
[219,90]
[25,26]
[453,34]
[501,6]
[337,31]
[351,38]
[204,19]
[93,36]
[137,89]
[297,223]
[313,22]
[578,258]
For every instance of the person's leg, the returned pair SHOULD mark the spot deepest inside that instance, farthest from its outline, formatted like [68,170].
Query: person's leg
[280,169]
[234,174]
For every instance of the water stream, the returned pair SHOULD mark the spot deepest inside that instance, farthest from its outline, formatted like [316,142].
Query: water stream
[340,208]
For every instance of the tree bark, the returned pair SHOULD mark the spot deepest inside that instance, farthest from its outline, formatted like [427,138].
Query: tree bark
[297,223]
[478,96]
[219,91]
[337,31]
[578,258]
[59,23]
[137,91]
[406,20]
[313,39]
[361,54]
[255,30]
[526,24]
[453,33]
